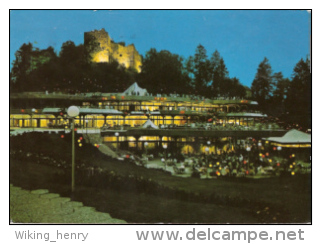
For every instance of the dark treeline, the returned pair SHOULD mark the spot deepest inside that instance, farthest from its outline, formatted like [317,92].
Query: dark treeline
[289,99]
[164,73]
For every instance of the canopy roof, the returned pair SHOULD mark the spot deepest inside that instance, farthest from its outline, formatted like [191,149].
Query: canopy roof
[84,111]
[291,137]
[150,124]
[134,89]
[242,114]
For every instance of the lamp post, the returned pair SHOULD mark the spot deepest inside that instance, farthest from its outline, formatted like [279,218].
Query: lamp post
[32,112]
[86,126]
[248,149]
[73,112]
[146,144]
[163,161]
[279,150]
[117,134]
[207,150]
[165,147]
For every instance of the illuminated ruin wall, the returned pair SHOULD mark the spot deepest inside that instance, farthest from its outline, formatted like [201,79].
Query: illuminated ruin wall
[100,48]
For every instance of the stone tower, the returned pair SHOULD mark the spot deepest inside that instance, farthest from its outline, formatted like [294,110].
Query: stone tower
[100,48]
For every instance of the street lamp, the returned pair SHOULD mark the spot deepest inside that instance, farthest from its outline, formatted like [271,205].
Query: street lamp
[146,144]
[279,150]
[86,126]
[73,112]
[163,161]
[248,149]
[32,112]
[207,150]
[165,147]
[117,134]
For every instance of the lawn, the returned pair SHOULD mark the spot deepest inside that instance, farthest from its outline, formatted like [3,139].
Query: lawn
[174,200]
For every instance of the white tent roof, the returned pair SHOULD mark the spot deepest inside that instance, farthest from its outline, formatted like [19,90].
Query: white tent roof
[292,136]
[148,124]
[134,89]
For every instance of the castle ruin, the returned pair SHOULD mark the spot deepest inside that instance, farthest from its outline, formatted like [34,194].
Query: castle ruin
[100,48]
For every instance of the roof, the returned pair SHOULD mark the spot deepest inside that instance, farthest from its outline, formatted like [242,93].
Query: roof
[292,136]
[84,111]
[258,115]
[99,111]
[149,124]
[134,89]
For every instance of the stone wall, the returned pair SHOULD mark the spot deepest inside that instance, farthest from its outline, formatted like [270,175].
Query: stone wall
[100,48]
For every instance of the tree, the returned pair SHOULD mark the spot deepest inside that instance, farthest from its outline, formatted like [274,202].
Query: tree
[21,67]
[262,84]
[219,74]
[281,88]
[163,72]
[298,101]
[201,70]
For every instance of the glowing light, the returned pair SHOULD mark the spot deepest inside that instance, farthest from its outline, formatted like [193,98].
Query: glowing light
[293,155]
[218,173]
[62,136]
[210,165]
[294,163]
[80,144]
[267,154]
[217,163]
[278,164]
[270,160]
[291,166]
[292,173]
[79,140]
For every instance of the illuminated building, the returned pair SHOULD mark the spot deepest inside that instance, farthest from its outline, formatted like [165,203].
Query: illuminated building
[183,120]
[100,48]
